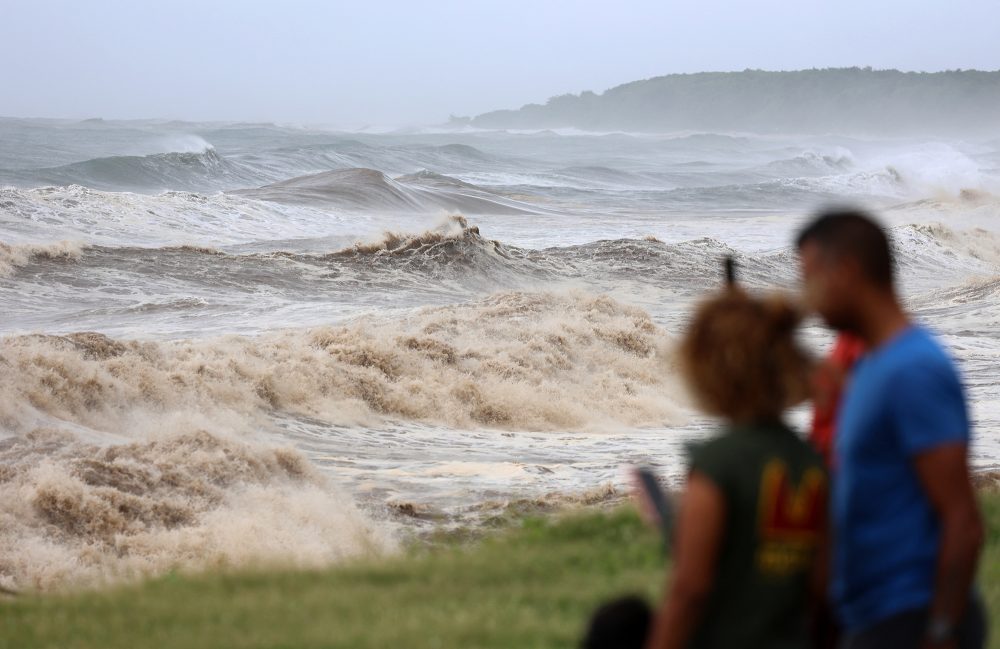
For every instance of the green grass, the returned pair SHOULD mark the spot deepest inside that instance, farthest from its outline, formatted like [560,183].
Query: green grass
[989,565]
[532,585]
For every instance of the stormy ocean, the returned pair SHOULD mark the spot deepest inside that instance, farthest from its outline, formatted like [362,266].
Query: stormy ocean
[229,343]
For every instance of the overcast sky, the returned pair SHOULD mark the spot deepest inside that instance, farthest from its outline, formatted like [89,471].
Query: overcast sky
[388,62]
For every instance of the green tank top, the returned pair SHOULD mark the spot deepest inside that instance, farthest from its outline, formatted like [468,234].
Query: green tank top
[775,490]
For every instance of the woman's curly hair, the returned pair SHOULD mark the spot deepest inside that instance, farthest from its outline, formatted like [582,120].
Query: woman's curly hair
[740,357]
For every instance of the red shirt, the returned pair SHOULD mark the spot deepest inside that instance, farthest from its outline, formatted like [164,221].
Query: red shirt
[830,379]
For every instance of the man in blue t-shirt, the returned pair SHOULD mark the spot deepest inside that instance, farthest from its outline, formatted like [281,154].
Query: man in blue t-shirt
[906,527]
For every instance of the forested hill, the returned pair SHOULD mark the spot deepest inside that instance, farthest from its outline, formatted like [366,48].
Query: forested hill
[843,100]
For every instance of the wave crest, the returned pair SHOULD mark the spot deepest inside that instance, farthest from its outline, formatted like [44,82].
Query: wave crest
[455,229]
[976,243]
[16,256]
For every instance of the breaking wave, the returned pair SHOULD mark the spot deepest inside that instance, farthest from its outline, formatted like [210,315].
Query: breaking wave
[936,251]
[451,250]
[79,514]
[132,458]
[978,244]
[128,458]
[455,258]
[15,256]
[452,259]
[525,361]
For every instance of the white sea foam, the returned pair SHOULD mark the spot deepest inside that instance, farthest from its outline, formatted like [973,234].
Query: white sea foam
[76,514]
[517,360]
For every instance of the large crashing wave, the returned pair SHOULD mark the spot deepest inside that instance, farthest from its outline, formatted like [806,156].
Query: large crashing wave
[74,513]
[521,361]
[130,458]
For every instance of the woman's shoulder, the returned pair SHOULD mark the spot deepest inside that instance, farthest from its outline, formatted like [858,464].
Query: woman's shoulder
[745,444]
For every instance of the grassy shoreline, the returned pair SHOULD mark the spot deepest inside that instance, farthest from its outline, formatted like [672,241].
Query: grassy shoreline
[532,584]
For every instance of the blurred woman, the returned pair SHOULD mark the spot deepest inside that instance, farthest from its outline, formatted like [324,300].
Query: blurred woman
[750,533]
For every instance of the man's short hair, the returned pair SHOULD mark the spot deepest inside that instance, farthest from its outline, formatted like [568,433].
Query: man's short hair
[855,234]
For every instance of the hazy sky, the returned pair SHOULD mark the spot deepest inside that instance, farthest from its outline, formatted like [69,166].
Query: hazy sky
[391,62]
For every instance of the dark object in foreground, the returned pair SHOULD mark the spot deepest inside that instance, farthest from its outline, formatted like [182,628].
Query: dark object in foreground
[655,503]
[730,271]
[620,624]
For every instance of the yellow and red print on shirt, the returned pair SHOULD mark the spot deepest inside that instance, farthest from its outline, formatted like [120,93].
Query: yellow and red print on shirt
[792,517]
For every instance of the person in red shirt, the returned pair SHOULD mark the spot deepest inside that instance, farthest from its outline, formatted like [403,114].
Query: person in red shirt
[830,381]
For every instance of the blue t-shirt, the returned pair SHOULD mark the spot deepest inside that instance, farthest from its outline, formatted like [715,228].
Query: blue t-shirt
[904,398]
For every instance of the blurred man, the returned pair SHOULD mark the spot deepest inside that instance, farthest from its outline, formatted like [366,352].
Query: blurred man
[906,528]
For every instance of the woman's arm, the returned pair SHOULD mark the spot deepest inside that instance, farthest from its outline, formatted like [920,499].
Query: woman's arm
[696,547]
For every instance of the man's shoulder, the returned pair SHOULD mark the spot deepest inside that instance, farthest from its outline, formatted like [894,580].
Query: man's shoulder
[921,352]
[920,340]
